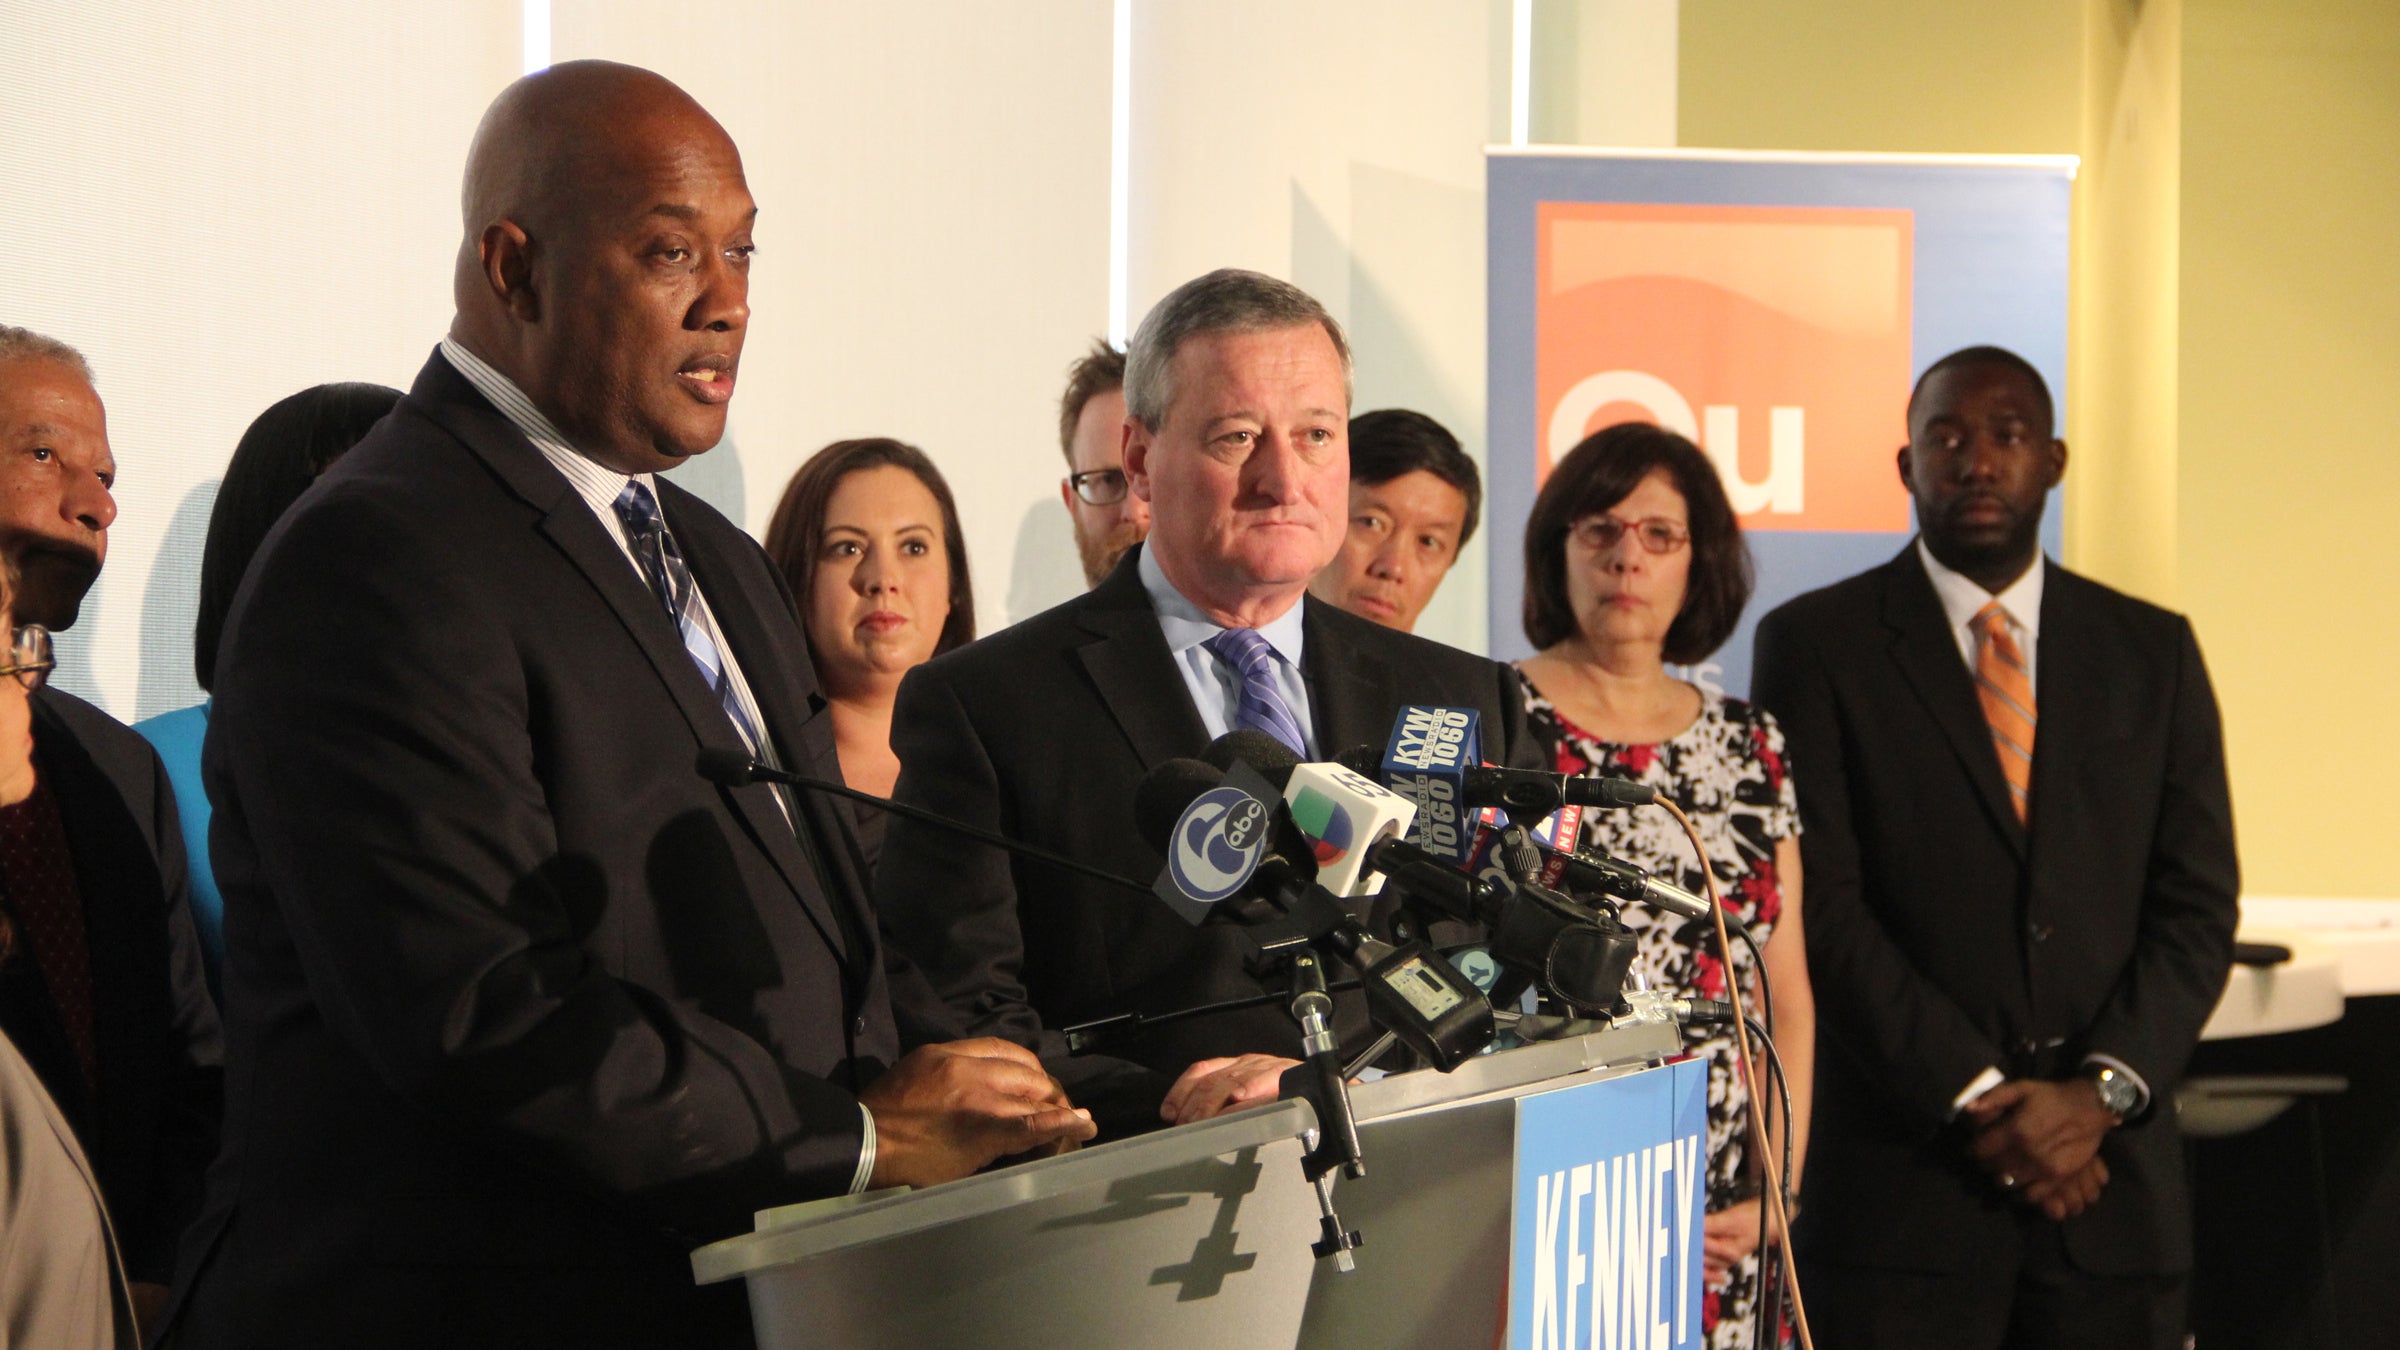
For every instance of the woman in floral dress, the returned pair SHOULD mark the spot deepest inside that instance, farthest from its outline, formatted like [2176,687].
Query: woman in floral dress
[1633,560]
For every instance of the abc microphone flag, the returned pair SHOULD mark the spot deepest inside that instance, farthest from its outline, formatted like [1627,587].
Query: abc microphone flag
[1345,815]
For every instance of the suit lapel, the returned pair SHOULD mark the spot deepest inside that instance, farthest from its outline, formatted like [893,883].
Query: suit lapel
[1129,665]
[792,710]
[1928,658]
[2069,691]
[1351,699]
[570,524]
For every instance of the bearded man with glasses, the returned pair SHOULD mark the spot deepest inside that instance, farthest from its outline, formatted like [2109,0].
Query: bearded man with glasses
[1091,430]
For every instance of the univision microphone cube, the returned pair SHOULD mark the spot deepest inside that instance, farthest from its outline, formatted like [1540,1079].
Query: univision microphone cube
[1344,815]
[1427,762]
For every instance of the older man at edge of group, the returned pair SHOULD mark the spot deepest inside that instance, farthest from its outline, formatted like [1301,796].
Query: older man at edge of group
[522,1006]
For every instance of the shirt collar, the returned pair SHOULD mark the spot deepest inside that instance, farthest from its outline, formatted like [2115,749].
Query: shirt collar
[1187,627]
[1963,599]
[593,481]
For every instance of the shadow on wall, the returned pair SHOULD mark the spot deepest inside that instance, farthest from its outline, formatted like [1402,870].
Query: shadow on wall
[1046,569]
[715,477]
[170,604]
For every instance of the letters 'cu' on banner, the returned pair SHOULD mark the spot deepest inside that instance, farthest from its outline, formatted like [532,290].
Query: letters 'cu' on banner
[1773,308]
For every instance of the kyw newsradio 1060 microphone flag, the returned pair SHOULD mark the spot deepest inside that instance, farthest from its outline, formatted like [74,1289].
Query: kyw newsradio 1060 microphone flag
[1434,760]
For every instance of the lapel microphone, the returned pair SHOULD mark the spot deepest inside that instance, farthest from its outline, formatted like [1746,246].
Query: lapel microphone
[735,769]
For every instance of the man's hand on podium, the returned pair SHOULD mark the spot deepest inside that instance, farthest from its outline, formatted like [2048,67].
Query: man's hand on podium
[2041,1141]
[1213,1087]
[946,1111]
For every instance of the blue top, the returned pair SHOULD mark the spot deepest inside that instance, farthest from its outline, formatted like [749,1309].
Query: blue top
[177,737]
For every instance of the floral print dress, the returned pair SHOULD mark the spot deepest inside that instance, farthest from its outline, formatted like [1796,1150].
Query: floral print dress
[1726,771]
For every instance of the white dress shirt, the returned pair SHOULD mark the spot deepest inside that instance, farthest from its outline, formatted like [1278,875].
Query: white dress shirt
[1215,686]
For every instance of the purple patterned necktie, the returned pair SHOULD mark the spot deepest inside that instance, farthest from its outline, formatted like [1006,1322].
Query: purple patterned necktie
[1262,708]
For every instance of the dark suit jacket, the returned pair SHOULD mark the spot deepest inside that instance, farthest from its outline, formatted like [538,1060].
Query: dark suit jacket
[150,1128]
[1945,937]
[1042,731]
[521,1008]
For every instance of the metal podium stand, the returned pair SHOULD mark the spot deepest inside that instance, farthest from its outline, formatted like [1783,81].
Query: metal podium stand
[1436,1201]
[1190,1237]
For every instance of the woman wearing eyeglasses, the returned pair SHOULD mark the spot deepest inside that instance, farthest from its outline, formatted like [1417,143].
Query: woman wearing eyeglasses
[867,536]
[1633,560]
[61,1282]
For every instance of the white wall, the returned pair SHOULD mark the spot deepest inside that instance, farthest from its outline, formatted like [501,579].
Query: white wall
[1337,144]
[932,183]
[223,204]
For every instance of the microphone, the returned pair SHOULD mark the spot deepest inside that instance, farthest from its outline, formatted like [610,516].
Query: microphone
[1526,794]
[1355,829]
[1577,869]
[1223,845]
[734,769]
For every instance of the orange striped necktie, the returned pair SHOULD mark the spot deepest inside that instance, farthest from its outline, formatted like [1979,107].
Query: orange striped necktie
[2006,692]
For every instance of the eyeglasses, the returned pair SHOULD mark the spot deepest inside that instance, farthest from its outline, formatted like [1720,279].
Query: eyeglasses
[1099,487]
[1657,533]
[29,656]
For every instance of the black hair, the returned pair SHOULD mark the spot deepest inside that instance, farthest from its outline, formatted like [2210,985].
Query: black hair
[1986,356]
[1394,441]
[284,451]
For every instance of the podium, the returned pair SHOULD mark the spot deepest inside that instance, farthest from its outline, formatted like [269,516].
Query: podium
[1196,1236]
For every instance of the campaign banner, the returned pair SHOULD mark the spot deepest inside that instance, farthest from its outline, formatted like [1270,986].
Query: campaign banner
[1775,309]
[1611,1191]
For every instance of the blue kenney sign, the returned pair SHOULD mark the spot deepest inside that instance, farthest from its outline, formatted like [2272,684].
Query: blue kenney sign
[1611,1190]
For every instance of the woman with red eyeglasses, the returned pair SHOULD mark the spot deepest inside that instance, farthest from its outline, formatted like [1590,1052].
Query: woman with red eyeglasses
[1634,563]
[61,1282]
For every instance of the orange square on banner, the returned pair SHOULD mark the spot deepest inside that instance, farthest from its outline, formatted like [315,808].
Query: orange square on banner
[1776,337]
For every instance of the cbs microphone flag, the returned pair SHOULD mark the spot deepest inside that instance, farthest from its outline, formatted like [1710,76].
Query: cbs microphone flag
[1775,309]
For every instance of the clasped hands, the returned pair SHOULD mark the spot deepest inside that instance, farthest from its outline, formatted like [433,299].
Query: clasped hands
[2040,1141]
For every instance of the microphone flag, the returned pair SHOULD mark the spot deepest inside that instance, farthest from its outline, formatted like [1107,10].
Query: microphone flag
[1344,814]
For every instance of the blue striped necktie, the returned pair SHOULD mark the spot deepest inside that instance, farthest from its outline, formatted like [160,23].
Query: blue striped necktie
[1262,707]
[671,581]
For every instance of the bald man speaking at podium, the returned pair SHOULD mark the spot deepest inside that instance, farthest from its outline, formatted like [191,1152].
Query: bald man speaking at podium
[520,1006]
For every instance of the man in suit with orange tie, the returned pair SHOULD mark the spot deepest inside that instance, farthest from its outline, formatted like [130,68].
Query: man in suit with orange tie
[2021,907]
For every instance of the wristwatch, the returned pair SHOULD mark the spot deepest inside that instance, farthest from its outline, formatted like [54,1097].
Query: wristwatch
[2118,1095]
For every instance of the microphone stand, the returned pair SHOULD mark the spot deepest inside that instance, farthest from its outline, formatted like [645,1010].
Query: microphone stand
[1334,1143]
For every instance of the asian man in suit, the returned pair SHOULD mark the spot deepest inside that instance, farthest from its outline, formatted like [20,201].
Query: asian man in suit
[521,1006]
[1237,390]
[2021,870]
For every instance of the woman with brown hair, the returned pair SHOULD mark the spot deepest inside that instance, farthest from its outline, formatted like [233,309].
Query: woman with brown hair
[867,537]
[1633,560]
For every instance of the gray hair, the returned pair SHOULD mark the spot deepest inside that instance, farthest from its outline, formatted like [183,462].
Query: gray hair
[1228,300]
[23,344]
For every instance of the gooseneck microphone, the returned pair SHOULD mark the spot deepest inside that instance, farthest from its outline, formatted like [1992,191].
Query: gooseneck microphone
[733,769]
[1526,794]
